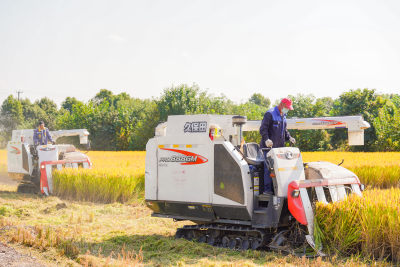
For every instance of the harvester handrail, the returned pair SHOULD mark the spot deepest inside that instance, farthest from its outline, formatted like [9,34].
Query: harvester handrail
[82,133]
[326,182]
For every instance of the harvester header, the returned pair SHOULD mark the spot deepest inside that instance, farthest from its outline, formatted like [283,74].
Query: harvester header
[354,124]
[226,125]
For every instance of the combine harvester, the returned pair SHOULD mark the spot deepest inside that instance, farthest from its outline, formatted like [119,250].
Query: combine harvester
[196,170]
[35,164]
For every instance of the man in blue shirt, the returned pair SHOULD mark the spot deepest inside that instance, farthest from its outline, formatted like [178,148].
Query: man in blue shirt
[274,134]
[41,135]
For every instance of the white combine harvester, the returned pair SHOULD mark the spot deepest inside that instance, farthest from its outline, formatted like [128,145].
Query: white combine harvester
[196,170]
[34,165]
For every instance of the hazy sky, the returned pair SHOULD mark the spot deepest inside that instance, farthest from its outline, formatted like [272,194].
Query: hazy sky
[61,48]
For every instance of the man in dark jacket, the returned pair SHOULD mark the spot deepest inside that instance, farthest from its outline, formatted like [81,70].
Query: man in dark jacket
[274,134]
[41,135]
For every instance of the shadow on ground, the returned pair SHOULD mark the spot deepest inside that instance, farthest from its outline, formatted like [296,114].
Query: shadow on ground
[16,195]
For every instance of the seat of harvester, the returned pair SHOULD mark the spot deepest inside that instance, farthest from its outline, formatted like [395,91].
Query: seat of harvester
[253,154]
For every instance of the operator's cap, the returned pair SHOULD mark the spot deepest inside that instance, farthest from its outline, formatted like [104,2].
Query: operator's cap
[288,103]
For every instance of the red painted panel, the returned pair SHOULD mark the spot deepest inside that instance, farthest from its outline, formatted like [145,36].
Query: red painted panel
[43,174]
[295,204]
[43,179]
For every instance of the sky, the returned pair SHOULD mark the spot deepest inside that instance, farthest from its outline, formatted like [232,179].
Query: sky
[59,48]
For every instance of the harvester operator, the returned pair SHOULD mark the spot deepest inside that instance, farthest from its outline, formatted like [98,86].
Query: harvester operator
[41,135]
[274,134]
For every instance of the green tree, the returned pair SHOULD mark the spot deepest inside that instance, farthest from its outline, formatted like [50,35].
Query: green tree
[179,100]
[48,112]
[121,99]
[99,120]
[323,106]
[363,102]
[69,102]
[117,122]
[215,105]
[395,98]
[387,128]
[32,114]
[253,112]
[148,117]
[11,116]
[103,96]
[307,106]
[260,100]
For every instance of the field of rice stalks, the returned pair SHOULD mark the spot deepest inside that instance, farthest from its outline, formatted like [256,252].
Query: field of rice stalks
[98,185]
[375,169]
[119,176]
[114,177]
[3,161]
[367,225]
[360,226]
[72,233]
[355,159]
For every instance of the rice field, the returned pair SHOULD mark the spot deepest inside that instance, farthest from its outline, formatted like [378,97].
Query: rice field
[119,176]
[355,159]
[366,226]
[358,227]
[3,161]
[114,177]
[72,233]
[375,169]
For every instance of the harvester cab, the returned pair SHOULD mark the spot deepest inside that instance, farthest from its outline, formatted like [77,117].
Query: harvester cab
[33,165]
[199,169]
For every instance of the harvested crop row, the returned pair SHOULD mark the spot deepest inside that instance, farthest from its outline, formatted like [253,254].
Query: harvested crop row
[368,226]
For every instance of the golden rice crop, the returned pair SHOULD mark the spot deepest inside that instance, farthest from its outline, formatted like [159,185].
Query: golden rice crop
[378,176]
[367,225]
[115,176]
[98,185]
[375,169]
[355,159]
[131,161]
[3,161]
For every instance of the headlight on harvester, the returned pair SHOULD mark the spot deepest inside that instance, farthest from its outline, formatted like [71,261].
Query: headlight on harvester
[295,193]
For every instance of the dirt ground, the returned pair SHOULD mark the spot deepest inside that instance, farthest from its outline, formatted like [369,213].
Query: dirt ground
[6,180]
[9,256]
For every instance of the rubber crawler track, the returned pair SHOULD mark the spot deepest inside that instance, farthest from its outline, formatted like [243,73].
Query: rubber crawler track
[245,237]
[228,236]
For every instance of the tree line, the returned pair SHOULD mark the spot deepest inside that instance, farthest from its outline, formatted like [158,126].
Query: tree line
[122,122]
